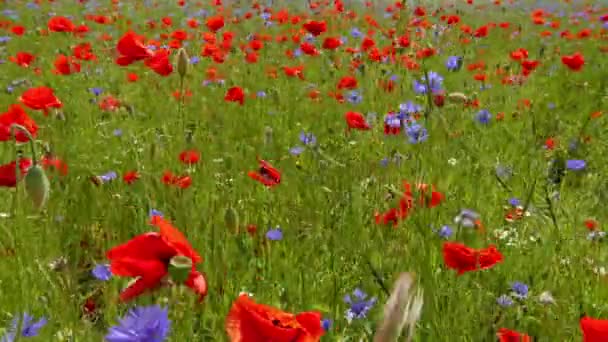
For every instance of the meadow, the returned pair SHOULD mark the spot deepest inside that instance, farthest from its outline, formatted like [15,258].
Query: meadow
[312,154]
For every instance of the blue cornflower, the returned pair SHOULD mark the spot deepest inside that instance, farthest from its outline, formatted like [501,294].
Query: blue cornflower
[326,324]
[416,133]
[261,93]
[520,290]
[435,82]
[297,150]
[154,212]
[266,16]
[29,328]
[117,132]
[466,218]
[354,97]
[142,324]
[454,63]
[514,202]
[5,39]
[445,232]
[275,234]
[102,272]
[504,301]
[195,60]
[356,33]
[575,164]
[392,120]
[96,91]
[309,38]
[308,138]
[108,177]
[359,307]
[483,116]
[384,162]
[409,108]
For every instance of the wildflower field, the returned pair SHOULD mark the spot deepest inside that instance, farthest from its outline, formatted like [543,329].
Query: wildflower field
[274,171]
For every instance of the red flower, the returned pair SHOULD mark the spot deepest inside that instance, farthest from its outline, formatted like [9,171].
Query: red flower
[347,82]
[65,65]
[215,23]
[18,30]
[183,181]
[60,24]
[331,43]
[131,49]
[189,157]
[591,224]
[83,52]
[249,321]
[506,335]
[235,94]
[594,330]
[147,256]
[465,259]
[8,177]
[159,63]
[130,177]
[575,62]
[356,120]
[40,98]
[22,59]
[16,115]
[51,162]
[315,27]
[266,174]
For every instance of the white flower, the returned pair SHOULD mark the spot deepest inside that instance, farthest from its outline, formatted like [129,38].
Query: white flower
[546,298]
[452,161]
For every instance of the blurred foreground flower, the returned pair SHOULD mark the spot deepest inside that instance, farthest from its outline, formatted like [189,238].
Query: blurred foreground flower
[27,326]
[141,324]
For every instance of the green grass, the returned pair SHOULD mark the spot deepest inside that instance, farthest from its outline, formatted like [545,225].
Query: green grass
[326,210]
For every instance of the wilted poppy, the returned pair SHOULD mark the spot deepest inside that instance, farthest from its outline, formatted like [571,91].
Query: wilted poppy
[266,174]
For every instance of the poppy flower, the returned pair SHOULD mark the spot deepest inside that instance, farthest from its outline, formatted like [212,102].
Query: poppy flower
[8,177]
[356,120]
[183,182]
[147,257]
[65,65]
[215,23]
[266,174]
[235,94]
[159,63]
[50,162]
[594,330]
[506,335]
[60,24]
[249,321]
[189,157]
[22,59]
[16,115]
[347,82]
[465,259]
[131,49]
[574,62]
[315,27]
[40,98]
[130,177]
[331,43]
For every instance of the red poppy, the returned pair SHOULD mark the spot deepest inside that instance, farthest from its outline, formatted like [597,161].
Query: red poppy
[266,174]
[574,62]
[356,120]
[131,49]
[249,321]
[8,176]
[65,65]
[189,157]
[109,104]
[347,82]
[147,256]
[50,162]
[159,63]
[183,181]
[18,30]
[40,98]
[215,23]
[130,177]
[60,24]
[16,115]
[332,43]
[22,59]
[594,330]
[83,52]
[506,335]
[465,259]
[315,27]
[235,94]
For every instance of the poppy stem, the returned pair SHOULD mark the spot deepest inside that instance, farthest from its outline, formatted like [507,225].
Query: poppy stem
[378,278]
[30,138]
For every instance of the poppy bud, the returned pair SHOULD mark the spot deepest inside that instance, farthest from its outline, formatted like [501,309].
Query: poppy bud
[231,219]
[182,62]
[37,186]
[179,268]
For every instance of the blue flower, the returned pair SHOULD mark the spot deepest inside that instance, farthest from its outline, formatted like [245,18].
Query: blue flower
[445,232]
[356,33]
[575,164]
[483,116]
[275,234]
[416,133]
[326,324]
[108,177]
[194,60]
[409,108]
[392,120]
[297,150]
[467,218]
[154,212]
[514,202]
[454,63]
[435,82]
[102,272]
[142,324]
[359,306]
[96,91]
[261,93]
[117,132]
[308,138]
[354,97]
[504,301]
[29,328]
[520,290]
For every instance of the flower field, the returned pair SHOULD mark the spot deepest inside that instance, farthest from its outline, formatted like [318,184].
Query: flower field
[321,170]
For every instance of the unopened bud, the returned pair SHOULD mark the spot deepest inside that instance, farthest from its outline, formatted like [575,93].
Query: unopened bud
[231,219]
[457,97]
[179,268]
[37,186]
[182,62]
